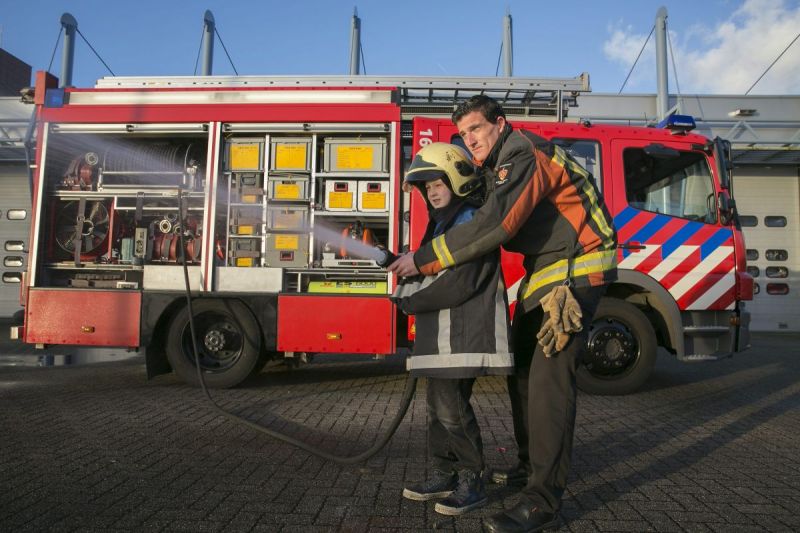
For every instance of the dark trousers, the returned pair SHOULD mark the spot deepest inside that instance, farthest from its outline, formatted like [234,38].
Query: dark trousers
[542,392]
[454,437]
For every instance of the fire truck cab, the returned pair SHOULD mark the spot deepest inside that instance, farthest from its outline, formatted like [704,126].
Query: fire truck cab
[266,185]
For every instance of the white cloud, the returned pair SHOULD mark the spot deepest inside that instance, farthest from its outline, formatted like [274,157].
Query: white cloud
[725,59]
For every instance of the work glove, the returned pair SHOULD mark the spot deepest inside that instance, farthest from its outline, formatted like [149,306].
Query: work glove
[563,318]
[551,341]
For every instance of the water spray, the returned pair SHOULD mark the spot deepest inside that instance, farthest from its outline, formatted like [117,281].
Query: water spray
[381,255]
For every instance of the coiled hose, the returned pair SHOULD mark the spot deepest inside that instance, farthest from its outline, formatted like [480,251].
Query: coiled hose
[405,401]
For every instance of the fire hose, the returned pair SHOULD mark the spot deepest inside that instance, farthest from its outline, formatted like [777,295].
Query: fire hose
[386,258]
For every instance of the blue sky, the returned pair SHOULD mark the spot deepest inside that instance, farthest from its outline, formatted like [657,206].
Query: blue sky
[721,46]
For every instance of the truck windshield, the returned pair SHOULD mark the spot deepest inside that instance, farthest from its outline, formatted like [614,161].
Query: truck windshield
[679,186]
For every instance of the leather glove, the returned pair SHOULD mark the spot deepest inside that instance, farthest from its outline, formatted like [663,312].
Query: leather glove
[563,318]
[550,340]
[564,311]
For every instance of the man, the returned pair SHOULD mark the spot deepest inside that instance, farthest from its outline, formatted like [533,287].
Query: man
[544,205]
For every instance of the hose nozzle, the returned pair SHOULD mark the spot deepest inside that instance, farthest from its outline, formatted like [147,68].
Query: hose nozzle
[386,258]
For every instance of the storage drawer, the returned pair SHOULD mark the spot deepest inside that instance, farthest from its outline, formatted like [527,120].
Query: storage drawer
[244,252]
[336,324]
[245,154]
[83,317]
[286,250]
[247,188]
[373,196]
[287,217]
[363,154]
[290,154]
[340,195]
[288,188]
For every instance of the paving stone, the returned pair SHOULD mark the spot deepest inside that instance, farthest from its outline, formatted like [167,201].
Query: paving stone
[702,448]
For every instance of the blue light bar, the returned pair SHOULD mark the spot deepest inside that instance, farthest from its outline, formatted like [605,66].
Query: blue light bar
[54,97]
[678,123]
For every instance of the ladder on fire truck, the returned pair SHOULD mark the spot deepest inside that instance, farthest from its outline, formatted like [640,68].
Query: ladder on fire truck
[418,95]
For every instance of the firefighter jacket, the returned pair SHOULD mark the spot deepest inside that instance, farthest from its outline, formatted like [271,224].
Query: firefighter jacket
[542,204]
[462,321]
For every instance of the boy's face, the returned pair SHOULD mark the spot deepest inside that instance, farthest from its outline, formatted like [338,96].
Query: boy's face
[439,194]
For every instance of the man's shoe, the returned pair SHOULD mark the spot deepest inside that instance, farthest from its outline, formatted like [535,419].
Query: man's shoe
[440,485]
[516,475]
[522,518]
[469,495]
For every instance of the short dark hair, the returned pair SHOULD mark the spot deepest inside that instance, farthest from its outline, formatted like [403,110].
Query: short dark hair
[485,105]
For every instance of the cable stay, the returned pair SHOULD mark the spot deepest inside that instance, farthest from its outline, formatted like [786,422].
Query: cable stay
[637,59]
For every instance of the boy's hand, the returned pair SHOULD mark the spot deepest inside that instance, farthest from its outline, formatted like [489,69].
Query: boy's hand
[404,266]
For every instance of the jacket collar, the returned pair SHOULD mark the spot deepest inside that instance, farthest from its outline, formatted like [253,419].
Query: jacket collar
[491,161]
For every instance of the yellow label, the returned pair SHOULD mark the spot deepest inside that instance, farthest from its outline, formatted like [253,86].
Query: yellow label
[249,198]
[246,230]
[290,157]
[287,242]
[245,156]
[289,191]
[373,200]
[348,287]
[244,261]
[340,200]
[288,219]
[354,157]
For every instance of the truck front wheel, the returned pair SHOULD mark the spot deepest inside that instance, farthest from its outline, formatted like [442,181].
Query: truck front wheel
[620,352]
[228,342]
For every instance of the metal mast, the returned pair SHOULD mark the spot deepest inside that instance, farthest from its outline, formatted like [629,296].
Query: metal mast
[70,26]
[355,44]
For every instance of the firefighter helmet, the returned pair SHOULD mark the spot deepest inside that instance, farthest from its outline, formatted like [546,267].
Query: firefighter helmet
[444,161]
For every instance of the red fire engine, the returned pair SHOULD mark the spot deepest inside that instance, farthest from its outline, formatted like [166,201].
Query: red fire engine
[280,177]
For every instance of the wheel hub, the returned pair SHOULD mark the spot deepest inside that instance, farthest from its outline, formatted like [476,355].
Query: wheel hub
[611,349]
[214,340]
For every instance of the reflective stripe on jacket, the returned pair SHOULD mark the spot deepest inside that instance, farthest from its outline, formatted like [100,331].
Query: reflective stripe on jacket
[462,321]
[542,204]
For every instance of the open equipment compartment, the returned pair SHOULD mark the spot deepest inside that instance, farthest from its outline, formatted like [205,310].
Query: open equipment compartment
[113,212]
[307,203]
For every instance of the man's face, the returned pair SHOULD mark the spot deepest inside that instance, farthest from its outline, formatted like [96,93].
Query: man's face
[479,134]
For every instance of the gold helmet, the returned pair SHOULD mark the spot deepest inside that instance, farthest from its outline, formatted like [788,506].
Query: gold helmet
[444,161]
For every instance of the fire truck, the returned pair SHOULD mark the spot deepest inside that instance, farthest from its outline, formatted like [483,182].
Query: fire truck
[270,180]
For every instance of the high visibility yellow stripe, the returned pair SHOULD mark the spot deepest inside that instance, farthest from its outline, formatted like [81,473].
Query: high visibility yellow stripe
[560,158]
[442,252]
[582,266]
[597,215]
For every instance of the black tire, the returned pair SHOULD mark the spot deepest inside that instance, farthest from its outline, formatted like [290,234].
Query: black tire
[621,350]
[228,342]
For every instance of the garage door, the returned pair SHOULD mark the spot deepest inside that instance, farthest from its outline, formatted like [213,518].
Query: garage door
[769,206]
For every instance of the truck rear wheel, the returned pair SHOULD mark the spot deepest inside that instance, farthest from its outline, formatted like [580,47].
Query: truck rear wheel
[228,342]
[620,352]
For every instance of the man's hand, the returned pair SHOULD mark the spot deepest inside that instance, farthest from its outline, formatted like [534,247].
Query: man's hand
[404,266]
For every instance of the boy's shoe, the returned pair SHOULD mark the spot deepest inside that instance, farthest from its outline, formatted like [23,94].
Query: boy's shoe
[516,475]
[440,485]
[469,495]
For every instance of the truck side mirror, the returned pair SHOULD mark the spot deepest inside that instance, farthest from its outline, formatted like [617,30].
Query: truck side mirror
[726,207]
[722,149]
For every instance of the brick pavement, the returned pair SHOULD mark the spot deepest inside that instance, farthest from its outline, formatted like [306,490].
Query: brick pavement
[704,447]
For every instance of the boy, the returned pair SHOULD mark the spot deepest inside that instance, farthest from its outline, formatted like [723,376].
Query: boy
[462,332]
